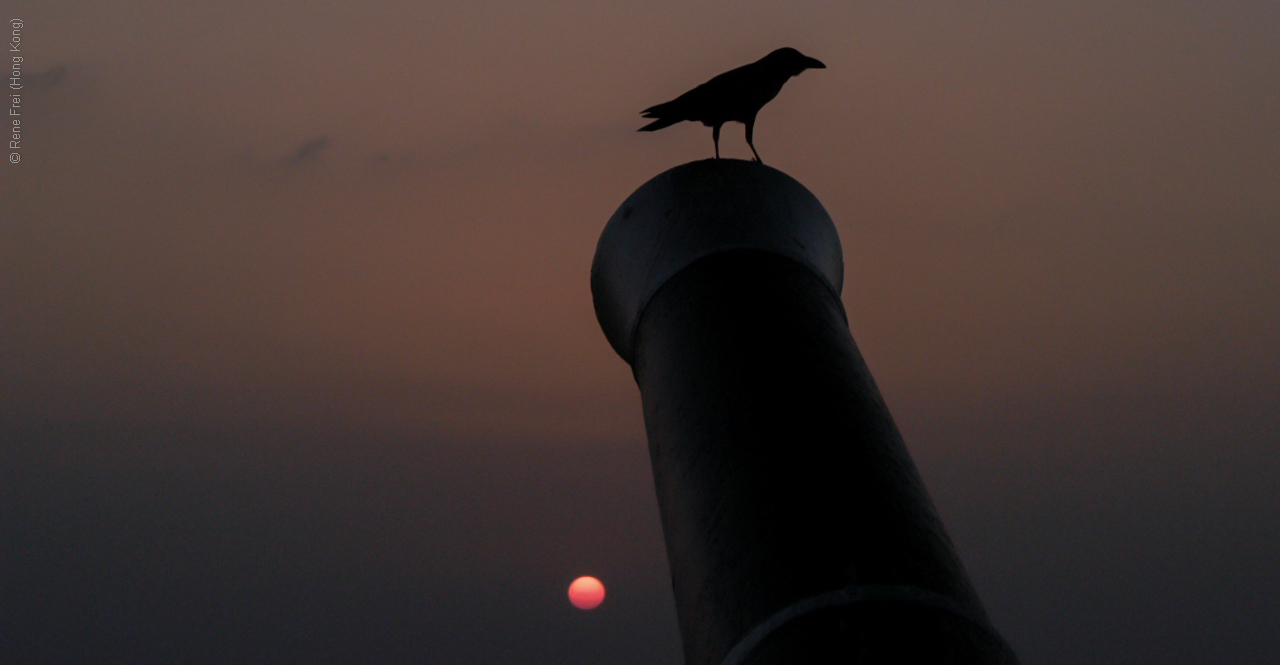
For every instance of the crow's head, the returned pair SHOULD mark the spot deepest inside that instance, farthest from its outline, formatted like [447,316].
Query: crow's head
[792,61]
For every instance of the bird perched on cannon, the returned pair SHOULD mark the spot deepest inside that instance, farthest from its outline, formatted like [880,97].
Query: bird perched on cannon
[736,95]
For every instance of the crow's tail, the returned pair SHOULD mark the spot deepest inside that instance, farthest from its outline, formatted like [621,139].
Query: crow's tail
[659,124]
[664,115]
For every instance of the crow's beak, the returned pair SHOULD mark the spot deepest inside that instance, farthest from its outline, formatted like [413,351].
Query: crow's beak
[811,63]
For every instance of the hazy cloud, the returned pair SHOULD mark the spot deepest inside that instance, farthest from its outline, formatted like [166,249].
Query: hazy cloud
[255,411]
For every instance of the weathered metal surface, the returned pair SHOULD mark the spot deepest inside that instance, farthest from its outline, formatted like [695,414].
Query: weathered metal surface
[797,527]
[698,209]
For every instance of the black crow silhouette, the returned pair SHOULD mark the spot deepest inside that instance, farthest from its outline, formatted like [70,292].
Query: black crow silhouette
[737,95]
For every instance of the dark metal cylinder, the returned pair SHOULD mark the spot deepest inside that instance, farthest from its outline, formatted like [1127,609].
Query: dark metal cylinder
[797,527]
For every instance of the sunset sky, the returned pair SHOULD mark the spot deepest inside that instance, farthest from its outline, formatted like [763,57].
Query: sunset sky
[298,362]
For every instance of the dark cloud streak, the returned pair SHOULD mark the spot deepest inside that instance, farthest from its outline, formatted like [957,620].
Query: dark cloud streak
[309,151]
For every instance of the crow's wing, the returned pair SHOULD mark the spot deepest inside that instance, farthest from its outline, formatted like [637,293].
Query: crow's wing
[723,98]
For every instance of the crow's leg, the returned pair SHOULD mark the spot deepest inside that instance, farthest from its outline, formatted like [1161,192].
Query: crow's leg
[715,137]
[751,126]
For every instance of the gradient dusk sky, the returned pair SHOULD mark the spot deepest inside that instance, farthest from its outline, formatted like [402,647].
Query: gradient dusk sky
[298,362]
